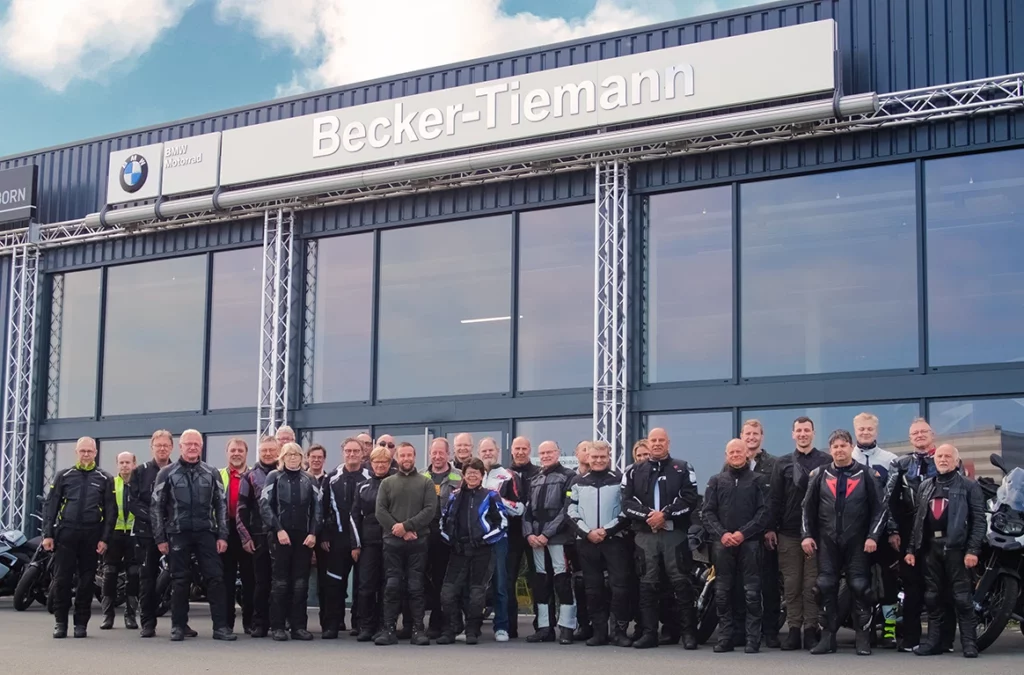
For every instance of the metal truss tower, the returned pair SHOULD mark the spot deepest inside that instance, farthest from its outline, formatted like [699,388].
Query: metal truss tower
[611,306]
[19,380]
[275,322]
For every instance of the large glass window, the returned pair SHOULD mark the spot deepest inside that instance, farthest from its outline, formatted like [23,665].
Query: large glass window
[893,424]
[698,438]
[689,286]
[566,431]
[975,236]
[556,298]
[79,343]
[332,439]
[979,428]
[344,312]
[65,457]
[828,273]
[444,309]
[153,337]
[235,328]
[110,449]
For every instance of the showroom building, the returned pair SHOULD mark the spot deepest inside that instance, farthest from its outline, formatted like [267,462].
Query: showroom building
[802,208]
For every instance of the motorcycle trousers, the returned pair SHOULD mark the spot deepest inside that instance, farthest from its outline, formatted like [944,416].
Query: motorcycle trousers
[337,565]
[148,557]
[838,559]
[558,583]
[261,575]
[470,570]
[369,592]
[612,556]
[290,581]
[75,553]
[438,552]
[203,545]
[237,565]
[944,570]
[405,564]
[738,566]
[667,550]
[120,557]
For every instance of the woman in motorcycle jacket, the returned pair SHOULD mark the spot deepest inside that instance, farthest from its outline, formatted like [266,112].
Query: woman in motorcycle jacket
[370,542]
[472,521]
[291,507]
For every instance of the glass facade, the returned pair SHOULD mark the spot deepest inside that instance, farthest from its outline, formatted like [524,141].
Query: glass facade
[827,273]
[153,338]
[689,286]
[215,448]
[445,293]
[344,314]
[980,428]
[556,298]
[110,449]
[79,339]
[567,432]
[235,328]
[975,234]
[698,438]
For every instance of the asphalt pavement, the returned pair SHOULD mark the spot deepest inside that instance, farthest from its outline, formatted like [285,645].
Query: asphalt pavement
[26,648]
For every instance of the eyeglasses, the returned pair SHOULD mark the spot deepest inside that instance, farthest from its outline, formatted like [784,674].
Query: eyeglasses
[385,444]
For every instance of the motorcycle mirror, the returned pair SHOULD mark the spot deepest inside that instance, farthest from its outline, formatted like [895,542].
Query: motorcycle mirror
[997,461]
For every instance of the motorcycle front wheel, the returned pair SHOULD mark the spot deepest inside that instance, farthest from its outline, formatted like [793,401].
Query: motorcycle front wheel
[25,592]
[996,609]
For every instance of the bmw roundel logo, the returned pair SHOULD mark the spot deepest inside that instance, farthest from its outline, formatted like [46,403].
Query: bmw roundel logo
[134,172]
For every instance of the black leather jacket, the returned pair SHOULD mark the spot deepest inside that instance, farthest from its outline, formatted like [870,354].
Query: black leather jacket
[188,498]
[340,489]
[787,488]
[764,466]
[546,509]
[81,499]
[853,515]
[965,515]
[248,519]
[291,501]
[471,519]
[140,496]
[905,476]
[677,485]
[364,513]
[735,500]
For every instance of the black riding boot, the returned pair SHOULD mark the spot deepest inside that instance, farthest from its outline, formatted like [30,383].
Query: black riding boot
[107,605]
[131,608]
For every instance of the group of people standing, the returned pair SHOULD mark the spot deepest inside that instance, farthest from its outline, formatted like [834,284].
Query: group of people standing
[604,549]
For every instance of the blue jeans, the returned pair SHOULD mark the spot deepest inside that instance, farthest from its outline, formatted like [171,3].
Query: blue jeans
[499,584]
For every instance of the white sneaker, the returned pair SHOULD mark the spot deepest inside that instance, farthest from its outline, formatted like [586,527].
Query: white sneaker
[501,636]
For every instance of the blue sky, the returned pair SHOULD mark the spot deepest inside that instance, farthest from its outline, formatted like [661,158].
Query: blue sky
[74,69]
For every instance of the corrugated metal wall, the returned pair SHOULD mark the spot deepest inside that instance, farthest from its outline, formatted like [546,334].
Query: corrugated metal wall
[887,45]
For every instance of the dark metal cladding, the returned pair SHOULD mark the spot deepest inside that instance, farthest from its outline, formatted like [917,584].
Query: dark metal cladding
[886,45]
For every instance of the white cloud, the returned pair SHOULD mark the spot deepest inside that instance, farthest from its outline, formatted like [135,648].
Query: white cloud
[353,40]
[58,41]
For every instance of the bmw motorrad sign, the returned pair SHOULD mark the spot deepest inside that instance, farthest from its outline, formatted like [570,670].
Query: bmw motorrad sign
[134,174]
[17,194]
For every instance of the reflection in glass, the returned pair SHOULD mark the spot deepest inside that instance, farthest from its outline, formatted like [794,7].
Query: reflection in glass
[79,344]
[215,448]
[893,424]
[332,439]
[698,438]
[235,328]
[980,427]
[344,300]
[556,298]
[444,309]
[566,431]
[153,341]
[689,286]
[974,207]
[827,273]
[110,449]
[66,457]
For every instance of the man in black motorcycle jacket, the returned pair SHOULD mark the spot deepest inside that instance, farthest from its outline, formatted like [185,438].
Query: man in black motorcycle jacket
[843,518]
[147,555]
[763,463]
[734,513]
[370,541]
[253,532]
[659,495]
[949,528]
[523,467]
[78,521]
[189,517]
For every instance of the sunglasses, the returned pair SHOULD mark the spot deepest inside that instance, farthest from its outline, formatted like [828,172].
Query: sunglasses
[389,446]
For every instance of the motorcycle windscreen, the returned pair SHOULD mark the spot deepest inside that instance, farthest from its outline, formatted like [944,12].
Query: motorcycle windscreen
[1011,492]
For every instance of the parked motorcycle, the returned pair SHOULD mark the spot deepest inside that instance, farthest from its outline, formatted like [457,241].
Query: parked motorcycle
[36,581]
[15,554]
[997,596]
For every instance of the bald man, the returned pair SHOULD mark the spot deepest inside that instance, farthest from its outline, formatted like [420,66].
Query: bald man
[462,449]
[949,528]
[77,524]
[734,514]
[120,555]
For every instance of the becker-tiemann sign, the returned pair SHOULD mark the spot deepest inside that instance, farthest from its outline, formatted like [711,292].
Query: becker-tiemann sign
[17,193]
[771,65]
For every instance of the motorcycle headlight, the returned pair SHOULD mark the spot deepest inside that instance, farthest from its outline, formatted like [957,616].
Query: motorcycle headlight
[1004,524]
